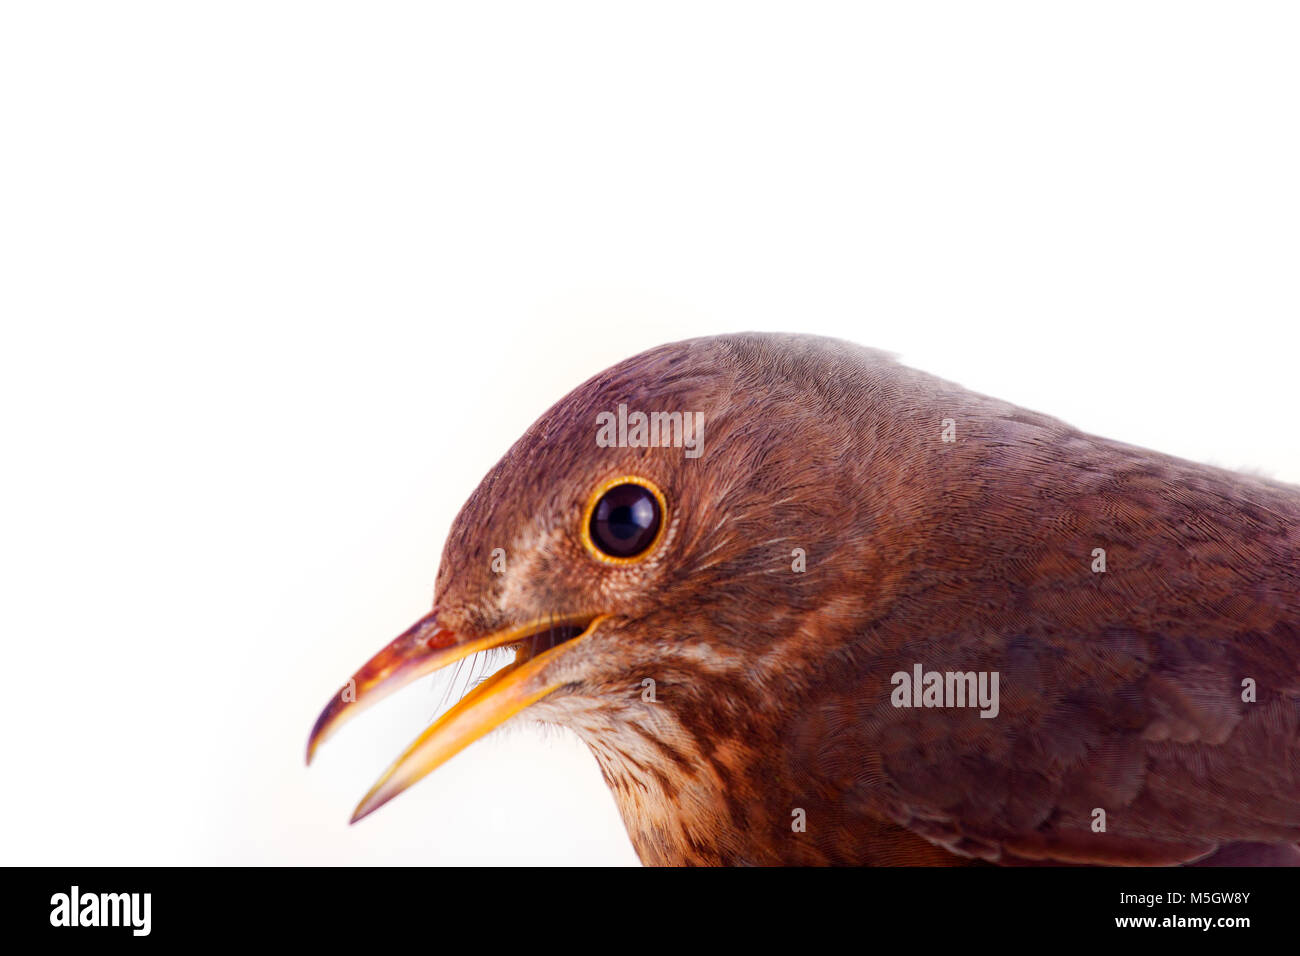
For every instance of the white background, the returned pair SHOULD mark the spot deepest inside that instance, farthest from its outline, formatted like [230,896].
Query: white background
[280,281]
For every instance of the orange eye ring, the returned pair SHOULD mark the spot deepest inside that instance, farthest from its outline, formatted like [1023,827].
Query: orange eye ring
[590,510]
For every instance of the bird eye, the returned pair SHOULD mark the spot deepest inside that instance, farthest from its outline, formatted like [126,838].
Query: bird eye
[625,521]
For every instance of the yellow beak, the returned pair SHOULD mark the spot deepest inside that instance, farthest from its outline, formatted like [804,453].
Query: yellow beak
[426,647]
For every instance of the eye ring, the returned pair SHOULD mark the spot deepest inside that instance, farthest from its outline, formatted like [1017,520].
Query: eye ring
[590,511]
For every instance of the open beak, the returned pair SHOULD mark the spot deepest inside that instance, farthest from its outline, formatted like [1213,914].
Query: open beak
[426,647]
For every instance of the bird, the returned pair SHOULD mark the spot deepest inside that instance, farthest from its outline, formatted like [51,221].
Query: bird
[808,606]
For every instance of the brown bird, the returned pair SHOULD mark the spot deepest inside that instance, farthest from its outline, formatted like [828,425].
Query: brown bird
[808,606]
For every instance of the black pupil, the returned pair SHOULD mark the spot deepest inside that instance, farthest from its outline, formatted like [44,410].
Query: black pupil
[626,521]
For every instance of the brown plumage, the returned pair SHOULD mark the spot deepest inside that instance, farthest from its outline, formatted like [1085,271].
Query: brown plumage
[1124,690]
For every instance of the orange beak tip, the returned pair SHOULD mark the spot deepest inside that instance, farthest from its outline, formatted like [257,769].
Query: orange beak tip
[367,806]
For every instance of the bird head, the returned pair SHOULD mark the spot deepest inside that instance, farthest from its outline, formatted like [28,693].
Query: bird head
[643,548]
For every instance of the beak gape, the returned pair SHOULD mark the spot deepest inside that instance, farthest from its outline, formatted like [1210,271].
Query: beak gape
[426,647]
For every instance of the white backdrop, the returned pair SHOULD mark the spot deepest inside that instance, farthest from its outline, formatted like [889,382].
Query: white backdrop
[280,281]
